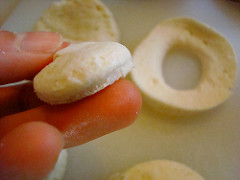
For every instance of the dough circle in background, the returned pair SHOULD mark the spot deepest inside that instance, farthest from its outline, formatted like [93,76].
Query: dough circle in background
[79,20]
[80,70]
[59,170]
[214,52]
[158,170]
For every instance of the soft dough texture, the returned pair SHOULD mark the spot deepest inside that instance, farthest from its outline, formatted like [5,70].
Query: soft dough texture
[158,170]
[81,70]
[59,170]
[214,52]
[79,20]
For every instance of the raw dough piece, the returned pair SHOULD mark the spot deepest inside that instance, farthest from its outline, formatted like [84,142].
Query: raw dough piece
[79,20]
[158,170]
[214,52]
[58,172]
[81,70]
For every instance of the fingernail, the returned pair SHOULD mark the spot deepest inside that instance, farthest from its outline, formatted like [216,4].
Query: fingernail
[40,42]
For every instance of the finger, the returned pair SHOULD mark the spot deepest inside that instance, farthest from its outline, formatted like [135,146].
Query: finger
[23,55]
[9,100]
[28,98]
[30,151]
[18,98]
[111,109]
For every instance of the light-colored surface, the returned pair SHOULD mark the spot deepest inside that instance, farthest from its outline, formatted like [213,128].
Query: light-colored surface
[6,8]
[208,143]
[214,53]
[158,170]
[81,70]
[79,20]
[60,167]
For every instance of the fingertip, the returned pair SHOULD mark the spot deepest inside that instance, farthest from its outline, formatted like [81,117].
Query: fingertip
[30,151]
[65,44]
[126,104]
[132,99]
[40,42]
[25,54]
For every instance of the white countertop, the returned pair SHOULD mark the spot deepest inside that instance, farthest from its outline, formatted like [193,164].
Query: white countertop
[208,143]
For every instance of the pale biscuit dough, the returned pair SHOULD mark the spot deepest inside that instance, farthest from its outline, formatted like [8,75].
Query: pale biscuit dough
[213,50]
[59,170]
[79,20]
[81,70]
[158,170]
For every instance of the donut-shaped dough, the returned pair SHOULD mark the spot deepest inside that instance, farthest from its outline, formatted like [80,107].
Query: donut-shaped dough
[80,70]
[158,170]
[59,170]
[214,52]
[79,20]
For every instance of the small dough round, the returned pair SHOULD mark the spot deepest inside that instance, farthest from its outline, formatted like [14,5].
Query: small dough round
[79,21]
[59,170]
[214,52]
[80,70]
[158,170]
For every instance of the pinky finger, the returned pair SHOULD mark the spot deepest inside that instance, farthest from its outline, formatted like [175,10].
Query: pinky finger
[30,151]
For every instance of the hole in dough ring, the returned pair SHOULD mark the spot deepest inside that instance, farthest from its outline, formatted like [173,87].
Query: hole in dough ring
[214,52]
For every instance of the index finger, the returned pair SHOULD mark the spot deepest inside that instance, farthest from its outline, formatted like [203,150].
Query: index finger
[23,55]
[111,109]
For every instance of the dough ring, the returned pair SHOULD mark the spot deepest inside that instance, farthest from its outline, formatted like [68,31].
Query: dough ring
[60,167]
[158,170]
[80,70]
[79,20]
[214,52]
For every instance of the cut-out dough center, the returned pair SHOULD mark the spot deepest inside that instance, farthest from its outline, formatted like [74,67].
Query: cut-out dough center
[181,69]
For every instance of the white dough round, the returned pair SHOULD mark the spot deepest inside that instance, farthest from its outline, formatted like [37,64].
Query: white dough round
[59,170]
[214,52]
[158,170]
[79,20]
[81,70]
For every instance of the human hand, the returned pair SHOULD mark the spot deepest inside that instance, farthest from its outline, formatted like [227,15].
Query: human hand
[32,137]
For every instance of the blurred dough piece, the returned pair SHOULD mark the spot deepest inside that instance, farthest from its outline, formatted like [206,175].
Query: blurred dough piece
[212,49]
[79,20]
[158,170]
[59,170]
[80,70]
